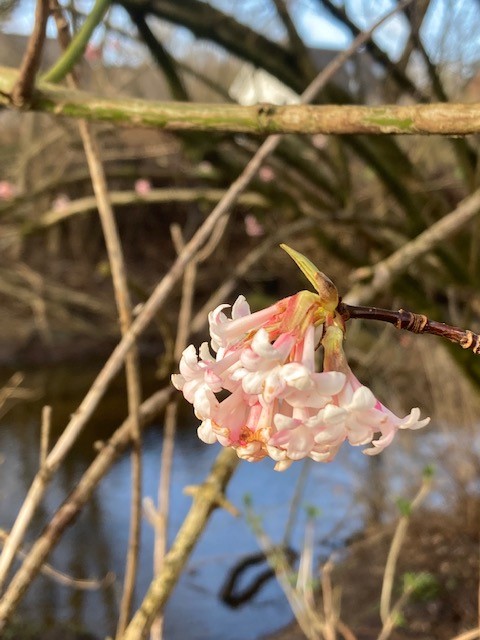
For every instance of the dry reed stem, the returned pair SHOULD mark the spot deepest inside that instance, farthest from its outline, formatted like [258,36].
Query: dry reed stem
[391,620]
[394,551]
[183,331]
[68,511]
[124,310]
[329,609]
[345,630]
[132,367]
[166,464]
[206,498]
[45,433]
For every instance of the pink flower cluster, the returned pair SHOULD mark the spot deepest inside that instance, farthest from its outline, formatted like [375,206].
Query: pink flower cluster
[261,394]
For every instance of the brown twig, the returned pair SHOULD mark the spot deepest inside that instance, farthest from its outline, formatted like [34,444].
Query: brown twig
[414,322]
[23,89]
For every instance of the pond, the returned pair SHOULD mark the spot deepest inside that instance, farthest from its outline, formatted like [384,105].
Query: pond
[97,543]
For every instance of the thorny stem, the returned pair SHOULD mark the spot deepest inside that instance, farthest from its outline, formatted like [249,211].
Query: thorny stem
[414,322]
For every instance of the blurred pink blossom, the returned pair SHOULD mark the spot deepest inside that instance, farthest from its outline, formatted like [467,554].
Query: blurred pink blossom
[7,190]
[93,53]
[253,228]
[319,141]
[143,186]
[266,174]
[61,202]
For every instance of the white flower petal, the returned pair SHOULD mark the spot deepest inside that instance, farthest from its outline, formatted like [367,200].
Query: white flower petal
[240,308]
[282,422]
[380,444]
[362,399]
[178,381]
[329,383]
[262,347]
[282,465]
[412,420]
[300,443]
[205,432]
[297,376]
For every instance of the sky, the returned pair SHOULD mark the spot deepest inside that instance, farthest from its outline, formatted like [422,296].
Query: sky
[451,29]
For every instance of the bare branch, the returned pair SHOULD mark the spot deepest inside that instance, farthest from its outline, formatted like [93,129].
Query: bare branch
[23,89]
[422,119]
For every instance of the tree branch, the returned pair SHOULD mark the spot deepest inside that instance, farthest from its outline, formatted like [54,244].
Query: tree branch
[23,88]
[264,119]
[161,56]
[413,322]
[207,497]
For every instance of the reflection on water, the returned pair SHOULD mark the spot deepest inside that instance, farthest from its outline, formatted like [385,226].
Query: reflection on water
[96,544]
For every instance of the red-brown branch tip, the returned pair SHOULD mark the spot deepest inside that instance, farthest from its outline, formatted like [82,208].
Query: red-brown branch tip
[413,322]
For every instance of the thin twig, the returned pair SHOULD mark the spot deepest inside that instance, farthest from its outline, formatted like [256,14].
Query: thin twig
[127,198]
[63,578]
[132,366]
[183,331]
[395,546]
[184,317]
[308,619]
[414,322]
[329,608]
[45,433]
[23,88]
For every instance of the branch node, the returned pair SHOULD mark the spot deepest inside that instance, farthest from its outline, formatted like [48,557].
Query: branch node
[219,500]
[414,322]
[471,341]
